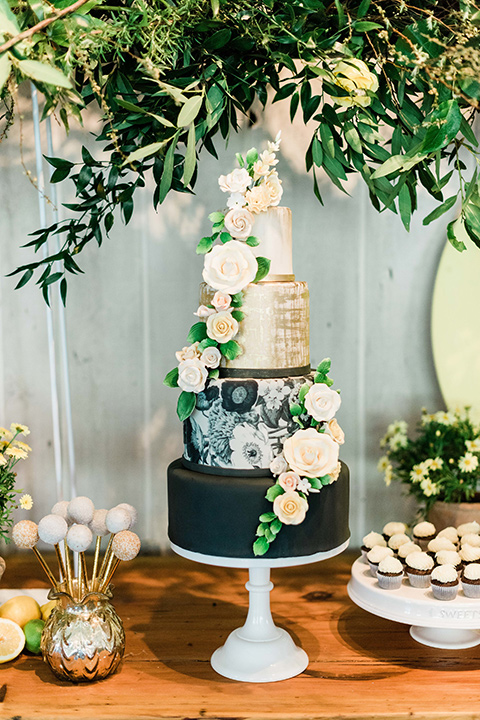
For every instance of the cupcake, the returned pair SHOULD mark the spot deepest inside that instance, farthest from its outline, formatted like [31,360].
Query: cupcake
[397,540]
[371,540]
[406,549]
[376,554]
[390,573]
[424,532]
[419,567]
[449,557]
[444,582]
[469,554]
[470,527]
[438,544]
[450,533]
[393,528]
[470,539]
[471,580]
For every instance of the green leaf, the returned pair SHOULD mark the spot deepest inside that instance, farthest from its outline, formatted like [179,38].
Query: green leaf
[405,206]
[260,531]
[252,241]
[352,136]
[230,349]
[5,69]
[365,26]
[238,315]
[452,238]
[325,366]
[328,143]
[204,246]
[269,535]
[58,162]
[145,151]
[167,174]
[24,279]
[59,174]
[267,517]
[208,342]
[362,10]
[317,152]
[216,217]
[252,156]
[189,111]
[315,483]
[214,374]
[198,332]
[190,157]
[303,391]
[171,378]
[8,21]
[218,40]
[295,409]
[225,237]
[445,124]
[43,73]
[274,491]
[276,526]
[340,13]
[260,546]
[443,208]
[186,404]
[325,480]
[263,269]
[237,299]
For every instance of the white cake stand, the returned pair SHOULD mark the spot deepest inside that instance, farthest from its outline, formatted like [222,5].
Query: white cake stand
[259,651]
[453,624]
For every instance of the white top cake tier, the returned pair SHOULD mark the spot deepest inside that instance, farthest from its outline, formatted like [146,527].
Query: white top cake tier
[273,228]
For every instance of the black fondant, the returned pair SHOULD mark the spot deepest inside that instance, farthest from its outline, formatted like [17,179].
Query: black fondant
[218,515]
[260,373]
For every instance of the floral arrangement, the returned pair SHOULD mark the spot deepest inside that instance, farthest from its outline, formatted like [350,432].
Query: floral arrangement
[440,463]
[390,90]
[12,451]
[309,460]
[229,266]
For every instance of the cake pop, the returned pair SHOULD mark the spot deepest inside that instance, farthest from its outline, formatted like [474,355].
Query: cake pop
[52,529]
[80,510]
[25,536]
[118,519]
[125,546]
[61,508]
[133,513]
[78,539]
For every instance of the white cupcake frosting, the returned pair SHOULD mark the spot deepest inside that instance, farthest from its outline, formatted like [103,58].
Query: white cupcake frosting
[450,533]
[408,548]
[397,540]
[471,539]
[469,553]
[420,561]
[438,544]
[424,529]
[472,571]
[393,528]
[372,539]
[448,557]
[390,565]
[445,574]
[470,527]
[378,552]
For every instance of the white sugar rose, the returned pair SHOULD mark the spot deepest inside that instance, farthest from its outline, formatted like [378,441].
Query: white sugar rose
[239,223]
[235,182]
[222,327]
[289,480]
[192,375]
[204,311]
[290,508]
[321,402]
[230,267]
[188,352]
[258,198]
[334,429]
[311,453]
[274,187]
[354,76]
[278,465]
[221,301]
[335,474]
[211,357]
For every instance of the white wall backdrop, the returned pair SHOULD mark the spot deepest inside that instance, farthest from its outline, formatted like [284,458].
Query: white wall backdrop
[370,288]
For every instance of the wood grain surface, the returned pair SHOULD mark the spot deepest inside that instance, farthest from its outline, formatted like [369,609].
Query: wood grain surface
[176,613]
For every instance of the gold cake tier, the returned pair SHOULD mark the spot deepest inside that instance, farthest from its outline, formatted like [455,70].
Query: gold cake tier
[275,332]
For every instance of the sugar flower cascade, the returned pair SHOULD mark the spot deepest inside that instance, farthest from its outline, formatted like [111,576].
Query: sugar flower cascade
[230,265]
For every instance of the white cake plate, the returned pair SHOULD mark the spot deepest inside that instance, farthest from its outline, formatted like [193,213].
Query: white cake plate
[259,651]
[453,624]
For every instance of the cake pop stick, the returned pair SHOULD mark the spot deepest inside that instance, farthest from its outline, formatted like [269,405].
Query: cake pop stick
[125,546]
[98,528]
[79,538]
[80,510]
[52,530]
[25,536]
[117,520]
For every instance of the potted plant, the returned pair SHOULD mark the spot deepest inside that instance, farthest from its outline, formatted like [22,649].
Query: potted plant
[12,451]
[439,465]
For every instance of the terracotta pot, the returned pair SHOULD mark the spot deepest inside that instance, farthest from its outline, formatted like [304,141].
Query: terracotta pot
[444,514]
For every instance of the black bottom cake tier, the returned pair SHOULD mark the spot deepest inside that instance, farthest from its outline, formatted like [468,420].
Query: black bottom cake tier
[218,515]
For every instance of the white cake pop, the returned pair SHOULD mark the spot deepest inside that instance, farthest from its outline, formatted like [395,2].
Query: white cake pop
[79,538]
[98,525]
[81,510]
[118,519]
[25,534]
[132,511]
[52,529]
[126,545]
[61,508]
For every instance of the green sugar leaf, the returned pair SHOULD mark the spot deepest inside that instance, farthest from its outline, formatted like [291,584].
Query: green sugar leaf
[324,366]
[252,156]
[252,241]
[216,217]
[171,378]
[204,246]
[238,315]
[230,350]
[237,300]
[260,546]
[274,491]
[186,404]
[263,269]
[276,526]
[225,237]
[303,391]
[267,517]
[198,332]
[295,409]
[208,342]
[315,483]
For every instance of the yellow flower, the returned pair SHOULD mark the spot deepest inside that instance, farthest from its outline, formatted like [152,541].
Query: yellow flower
[418,473]
[473,445]
[15,452]
[435,463]
[445,418]
[26,502]
[427,418]
[468,463]
[429,488]
[382,464]
[388,475]
[6,434]
[22,445]
[397,441]
[17,428]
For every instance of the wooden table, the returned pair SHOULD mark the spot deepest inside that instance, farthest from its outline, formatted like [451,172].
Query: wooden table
[177,612]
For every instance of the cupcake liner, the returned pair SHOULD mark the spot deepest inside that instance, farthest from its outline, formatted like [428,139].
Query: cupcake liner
[445,592]
[419,581]
[373,569]
[389,582]
[471,590]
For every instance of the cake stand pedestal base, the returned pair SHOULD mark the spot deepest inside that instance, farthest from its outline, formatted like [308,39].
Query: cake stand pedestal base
[436,637]
[259,651]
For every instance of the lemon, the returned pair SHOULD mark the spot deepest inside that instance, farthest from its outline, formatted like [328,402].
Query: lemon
[33,635]
[47,609]
[12,640]
[20,609]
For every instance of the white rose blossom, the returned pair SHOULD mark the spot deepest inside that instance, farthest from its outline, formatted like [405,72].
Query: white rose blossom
[321,402]
[188,352]
[335,474]
[192,375]
[278,465]
[204,311]
[222,327]
[290,508]
[230,267]
[221,301]
[239,223]
[311,453]
[335,431]
[211,357]
[274,187]
[258,198]
[235,182]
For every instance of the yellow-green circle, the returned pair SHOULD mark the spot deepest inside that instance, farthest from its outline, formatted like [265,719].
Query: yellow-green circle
[33,635]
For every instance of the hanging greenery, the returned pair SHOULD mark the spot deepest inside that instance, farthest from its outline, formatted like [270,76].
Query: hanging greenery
[399,91]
